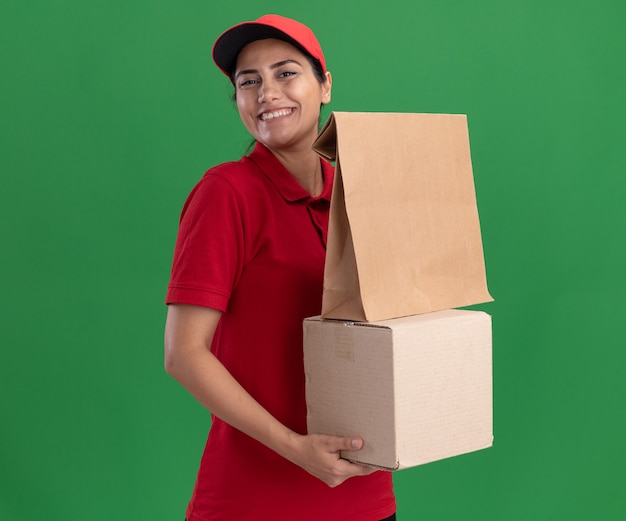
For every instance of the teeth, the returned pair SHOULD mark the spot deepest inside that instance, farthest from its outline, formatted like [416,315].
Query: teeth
[277,114]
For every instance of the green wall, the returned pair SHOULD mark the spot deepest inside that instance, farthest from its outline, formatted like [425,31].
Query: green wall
[112,110]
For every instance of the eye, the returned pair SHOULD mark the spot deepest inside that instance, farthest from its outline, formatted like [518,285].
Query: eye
[286,74]
[247,82]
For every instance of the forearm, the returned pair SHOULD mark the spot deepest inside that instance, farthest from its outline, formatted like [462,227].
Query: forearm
[204,376]
[189,333]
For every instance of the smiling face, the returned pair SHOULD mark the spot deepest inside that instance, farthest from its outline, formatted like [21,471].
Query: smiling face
[278,95]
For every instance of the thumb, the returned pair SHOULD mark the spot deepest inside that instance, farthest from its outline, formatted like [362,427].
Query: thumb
[354,443]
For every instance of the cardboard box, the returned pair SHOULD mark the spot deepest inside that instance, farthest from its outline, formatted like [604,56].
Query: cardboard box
[416,389]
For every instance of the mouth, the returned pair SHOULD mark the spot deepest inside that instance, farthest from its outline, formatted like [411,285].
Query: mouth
[275,114]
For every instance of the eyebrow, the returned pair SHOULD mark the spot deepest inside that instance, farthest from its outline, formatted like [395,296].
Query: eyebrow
[273,66]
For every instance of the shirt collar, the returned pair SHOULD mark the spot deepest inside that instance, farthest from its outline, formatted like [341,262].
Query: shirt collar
[284,182]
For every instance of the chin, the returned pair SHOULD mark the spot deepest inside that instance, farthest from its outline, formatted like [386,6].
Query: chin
[287,141]
[278,143]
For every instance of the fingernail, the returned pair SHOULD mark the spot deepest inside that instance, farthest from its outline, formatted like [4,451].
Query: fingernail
[356,443]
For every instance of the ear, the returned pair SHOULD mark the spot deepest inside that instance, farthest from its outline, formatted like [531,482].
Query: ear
[326,88]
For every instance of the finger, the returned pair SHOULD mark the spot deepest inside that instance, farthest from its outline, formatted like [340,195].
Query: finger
[356,469]
[355,443]
[349,443]
[337,444]
[345,470]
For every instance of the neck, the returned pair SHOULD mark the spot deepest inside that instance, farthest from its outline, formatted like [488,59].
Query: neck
[305,167]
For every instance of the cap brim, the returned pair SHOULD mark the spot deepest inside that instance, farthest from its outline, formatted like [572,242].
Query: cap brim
[228,46]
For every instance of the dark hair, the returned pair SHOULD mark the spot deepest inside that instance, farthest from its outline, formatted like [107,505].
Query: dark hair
[317,68]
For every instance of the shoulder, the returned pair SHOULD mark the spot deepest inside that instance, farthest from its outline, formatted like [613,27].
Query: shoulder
[231,175]
[237,177]
[231,184]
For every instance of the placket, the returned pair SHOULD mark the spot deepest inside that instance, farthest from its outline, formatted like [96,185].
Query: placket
[318,212]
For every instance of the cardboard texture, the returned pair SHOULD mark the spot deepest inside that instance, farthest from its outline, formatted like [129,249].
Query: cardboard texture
[417,389]
[404,235]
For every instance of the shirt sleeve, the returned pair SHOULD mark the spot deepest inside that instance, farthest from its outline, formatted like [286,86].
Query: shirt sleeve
[208,256]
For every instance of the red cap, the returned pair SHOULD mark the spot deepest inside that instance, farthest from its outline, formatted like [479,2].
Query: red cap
[230,43]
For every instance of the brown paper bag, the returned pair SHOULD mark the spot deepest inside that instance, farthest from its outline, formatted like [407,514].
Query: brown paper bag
[404,235]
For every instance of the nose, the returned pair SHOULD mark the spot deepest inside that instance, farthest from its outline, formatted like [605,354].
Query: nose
[269,90]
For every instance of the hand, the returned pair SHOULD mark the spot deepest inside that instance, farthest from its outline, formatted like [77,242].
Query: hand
[320,456]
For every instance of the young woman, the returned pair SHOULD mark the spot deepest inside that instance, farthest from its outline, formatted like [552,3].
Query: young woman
[248,268]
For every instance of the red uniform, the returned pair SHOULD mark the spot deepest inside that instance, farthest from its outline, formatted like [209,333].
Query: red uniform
[251,244]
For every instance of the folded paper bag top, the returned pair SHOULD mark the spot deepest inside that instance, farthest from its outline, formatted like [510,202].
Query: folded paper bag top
[404,234]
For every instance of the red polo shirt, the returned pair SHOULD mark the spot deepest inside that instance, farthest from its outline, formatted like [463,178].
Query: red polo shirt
[252,243]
